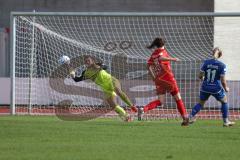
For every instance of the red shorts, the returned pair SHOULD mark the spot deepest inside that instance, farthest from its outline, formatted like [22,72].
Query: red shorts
[166,84]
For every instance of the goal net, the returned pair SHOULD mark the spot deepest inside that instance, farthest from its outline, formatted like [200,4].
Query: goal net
[42,86]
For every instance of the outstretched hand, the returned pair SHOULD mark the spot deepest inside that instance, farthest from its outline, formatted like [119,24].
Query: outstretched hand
[177,59]
[227,89]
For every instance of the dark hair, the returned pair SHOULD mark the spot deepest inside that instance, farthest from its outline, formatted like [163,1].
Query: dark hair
[158,42]
[96,61]
[88,56]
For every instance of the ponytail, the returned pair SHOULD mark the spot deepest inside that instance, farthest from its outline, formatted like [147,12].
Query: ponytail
[158,42]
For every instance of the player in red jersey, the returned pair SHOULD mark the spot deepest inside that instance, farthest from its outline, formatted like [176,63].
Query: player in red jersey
[161,73]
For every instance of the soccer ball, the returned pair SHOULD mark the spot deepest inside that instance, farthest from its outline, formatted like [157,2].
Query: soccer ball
[64,60]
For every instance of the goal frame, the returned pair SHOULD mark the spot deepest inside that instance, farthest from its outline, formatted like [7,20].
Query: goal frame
[13,31]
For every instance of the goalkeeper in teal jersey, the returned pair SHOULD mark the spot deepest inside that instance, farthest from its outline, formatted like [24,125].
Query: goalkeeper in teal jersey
[109,85]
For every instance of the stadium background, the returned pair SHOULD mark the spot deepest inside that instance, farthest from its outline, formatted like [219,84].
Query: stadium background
[48,137]
[93,5]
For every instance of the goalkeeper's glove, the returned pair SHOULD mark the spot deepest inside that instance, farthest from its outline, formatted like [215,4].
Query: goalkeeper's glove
[77,78]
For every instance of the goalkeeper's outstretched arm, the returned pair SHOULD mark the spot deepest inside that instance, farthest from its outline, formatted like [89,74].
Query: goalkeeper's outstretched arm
[82,77]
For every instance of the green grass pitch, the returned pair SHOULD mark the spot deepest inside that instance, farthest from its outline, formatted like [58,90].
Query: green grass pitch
[48,138]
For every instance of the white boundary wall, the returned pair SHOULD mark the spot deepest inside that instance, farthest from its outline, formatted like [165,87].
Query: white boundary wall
[4,39]
[5,90]
[228,39]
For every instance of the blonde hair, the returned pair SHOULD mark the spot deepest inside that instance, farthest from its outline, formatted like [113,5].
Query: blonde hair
[219,52]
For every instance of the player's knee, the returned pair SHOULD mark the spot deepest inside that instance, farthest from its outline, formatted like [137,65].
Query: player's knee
[177,96]
[162,99]
[223,100]
[202,103]
[118,91]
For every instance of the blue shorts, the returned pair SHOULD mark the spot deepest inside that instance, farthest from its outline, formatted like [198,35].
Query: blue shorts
[205,95]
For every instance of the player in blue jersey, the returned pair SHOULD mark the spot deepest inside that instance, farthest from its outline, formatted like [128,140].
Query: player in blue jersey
[214,84]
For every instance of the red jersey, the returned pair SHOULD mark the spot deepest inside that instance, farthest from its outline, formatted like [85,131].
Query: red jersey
[165,81]
[160,68]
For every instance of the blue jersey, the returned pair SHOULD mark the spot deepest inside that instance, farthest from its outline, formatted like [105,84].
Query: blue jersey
[213,70]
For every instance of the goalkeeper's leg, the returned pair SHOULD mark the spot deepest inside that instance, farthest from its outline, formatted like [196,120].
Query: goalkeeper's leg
[122,95]
[119,110]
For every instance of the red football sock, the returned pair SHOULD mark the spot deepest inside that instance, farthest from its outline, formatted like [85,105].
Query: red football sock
[152,105]
[181,108]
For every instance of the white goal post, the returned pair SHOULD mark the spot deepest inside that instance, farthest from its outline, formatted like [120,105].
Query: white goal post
[119,39]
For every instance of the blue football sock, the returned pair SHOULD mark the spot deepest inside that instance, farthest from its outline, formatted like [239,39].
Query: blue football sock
[224,110]
[195,110]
